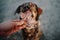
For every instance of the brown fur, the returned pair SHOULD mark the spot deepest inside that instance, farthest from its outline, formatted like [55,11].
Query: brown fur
[34,33]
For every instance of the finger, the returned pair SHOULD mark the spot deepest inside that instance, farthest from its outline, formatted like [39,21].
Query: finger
[19,23]
[17,20]
[22,27]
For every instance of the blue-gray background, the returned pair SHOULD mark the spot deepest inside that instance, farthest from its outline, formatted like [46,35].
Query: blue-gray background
[50,18]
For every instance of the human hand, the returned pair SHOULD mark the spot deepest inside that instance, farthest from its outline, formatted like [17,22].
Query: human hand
[10,27]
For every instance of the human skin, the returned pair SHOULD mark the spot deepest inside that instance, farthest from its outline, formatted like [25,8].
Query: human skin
[9,27]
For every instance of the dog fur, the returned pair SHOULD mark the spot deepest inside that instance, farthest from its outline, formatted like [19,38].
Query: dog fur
[34,33]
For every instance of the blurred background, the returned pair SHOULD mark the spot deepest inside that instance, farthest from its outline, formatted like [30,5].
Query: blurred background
[50,18]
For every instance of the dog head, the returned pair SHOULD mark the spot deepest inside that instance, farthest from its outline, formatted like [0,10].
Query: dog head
[32,7]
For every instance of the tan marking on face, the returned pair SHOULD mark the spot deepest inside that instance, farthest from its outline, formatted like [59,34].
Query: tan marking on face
[33,10]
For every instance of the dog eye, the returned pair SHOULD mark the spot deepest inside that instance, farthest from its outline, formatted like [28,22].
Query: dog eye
[25,8]
[32,15]
[20,18]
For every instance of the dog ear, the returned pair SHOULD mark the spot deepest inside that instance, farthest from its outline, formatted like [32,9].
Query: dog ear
[39,11]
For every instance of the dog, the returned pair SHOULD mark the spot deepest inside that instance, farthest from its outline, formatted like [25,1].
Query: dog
[33,32]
